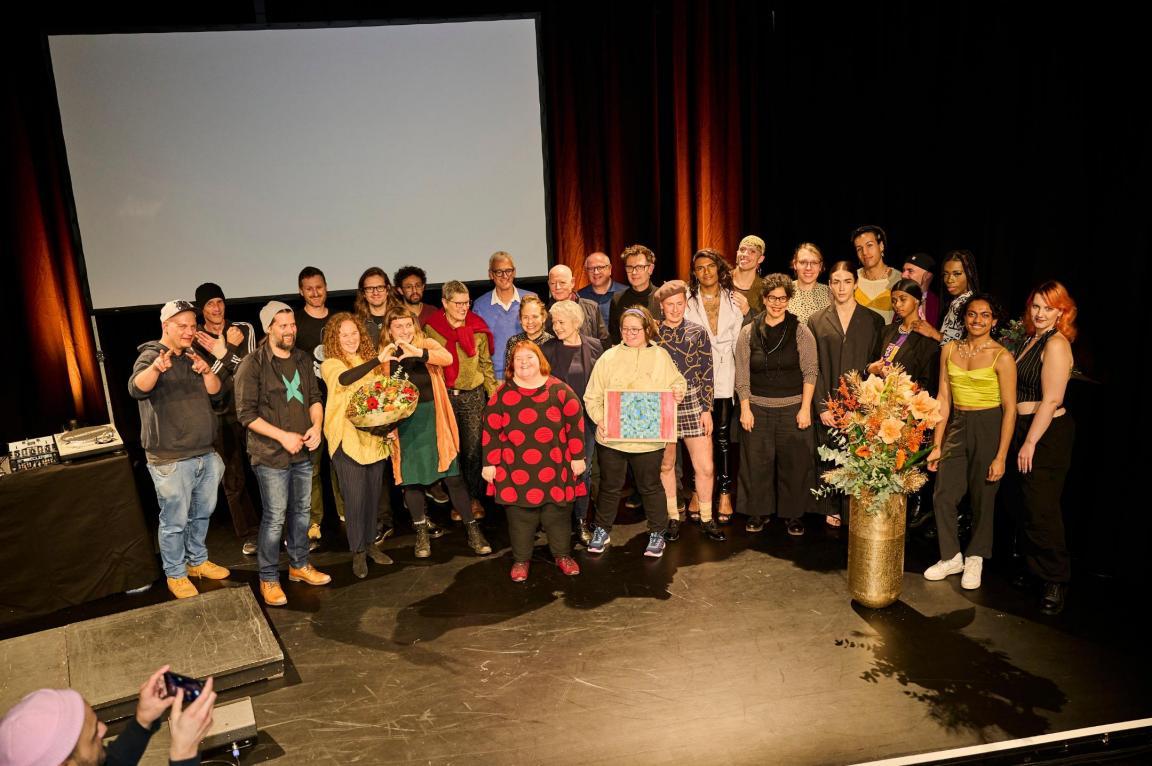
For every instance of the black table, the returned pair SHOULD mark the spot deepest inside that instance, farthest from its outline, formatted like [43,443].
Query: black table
[72,533]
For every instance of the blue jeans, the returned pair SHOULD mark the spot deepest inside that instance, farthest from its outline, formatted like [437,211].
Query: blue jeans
[287,497]
[186,491]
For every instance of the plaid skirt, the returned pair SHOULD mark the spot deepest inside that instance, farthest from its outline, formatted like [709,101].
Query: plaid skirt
[688,414]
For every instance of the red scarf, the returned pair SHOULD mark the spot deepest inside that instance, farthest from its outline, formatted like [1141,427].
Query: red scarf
[465,336]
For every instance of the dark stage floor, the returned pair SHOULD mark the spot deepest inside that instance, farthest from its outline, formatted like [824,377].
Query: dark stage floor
[720,653]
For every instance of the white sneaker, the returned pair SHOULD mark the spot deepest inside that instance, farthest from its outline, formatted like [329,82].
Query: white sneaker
[973,566]
[942,569]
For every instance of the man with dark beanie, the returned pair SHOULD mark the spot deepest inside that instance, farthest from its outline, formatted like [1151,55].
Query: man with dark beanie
[228,342]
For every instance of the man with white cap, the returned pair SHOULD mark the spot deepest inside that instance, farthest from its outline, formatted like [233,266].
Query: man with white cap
[175,388]
[278,401]
[56,727]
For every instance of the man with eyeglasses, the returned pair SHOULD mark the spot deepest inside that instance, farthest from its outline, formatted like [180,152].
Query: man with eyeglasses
[470,378]
[411,281]
[374,296]
[601,287]
[500,306]
[639,263]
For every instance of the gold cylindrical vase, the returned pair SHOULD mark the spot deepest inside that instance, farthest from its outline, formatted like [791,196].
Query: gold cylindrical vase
[876,553]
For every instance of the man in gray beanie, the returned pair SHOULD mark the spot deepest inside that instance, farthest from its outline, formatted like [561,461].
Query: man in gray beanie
[278,401]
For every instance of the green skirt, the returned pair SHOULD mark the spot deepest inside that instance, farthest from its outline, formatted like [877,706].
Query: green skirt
[418,453]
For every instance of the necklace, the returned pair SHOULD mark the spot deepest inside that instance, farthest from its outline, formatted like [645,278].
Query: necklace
[967,351]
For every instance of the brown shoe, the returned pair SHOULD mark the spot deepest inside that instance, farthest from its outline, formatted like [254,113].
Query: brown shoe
[273,594]
[314,532]
[378,556]
[182,587]
[477,509]
[308,574]
[209,570]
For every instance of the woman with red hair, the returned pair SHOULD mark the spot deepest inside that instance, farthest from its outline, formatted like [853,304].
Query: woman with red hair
[1043,437]
[533,451]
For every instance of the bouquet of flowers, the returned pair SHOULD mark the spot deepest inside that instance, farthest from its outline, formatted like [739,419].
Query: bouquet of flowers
[880,437]
[383,401]
[1013,336]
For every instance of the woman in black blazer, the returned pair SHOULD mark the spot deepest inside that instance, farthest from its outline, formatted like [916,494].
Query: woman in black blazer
[919,355]
[572,356]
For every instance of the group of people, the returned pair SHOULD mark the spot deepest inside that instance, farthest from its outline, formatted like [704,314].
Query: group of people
[515,393]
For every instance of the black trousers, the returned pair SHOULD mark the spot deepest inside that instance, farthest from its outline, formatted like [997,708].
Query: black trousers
[362,485]
[556,519]
[645,466]
[1035,497]
[970,445]
[231,446]
[457,493]
[468,407]
[776,465]
[722,439]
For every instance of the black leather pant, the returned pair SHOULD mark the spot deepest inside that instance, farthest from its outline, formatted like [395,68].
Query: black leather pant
[721,433]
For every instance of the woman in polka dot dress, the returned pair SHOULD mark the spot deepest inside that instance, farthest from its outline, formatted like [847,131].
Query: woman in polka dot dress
[533,447]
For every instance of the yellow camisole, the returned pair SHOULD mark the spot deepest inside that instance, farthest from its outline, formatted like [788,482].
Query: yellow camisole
[979,388]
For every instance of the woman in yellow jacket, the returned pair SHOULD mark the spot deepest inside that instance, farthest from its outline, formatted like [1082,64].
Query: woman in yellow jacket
[635,364]
[357,455]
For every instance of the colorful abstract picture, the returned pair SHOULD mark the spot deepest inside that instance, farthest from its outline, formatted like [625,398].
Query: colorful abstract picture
[640,416]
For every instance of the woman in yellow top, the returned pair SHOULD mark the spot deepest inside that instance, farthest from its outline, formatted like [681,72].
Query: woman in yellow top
[978,388]
[634,364]
[357,455]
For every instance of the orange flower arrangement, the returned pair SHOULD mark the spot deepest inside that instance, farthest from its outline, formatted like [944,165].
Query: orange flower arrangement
[879,437]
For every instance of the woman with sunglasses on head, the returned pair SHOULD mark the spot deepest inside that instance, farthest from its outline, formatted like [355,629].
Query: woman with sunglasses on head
[1043,438]
[776,370]
[978,403]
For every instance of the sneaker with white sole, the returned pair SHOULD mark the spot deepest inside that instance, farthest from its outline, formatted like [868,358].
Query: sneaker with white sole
[656,545]
[600,540]
[942,569]
[973,568]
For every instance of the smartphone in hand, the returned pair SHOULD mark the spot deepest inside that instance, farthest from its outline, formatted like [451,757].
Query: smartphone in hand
[192,688]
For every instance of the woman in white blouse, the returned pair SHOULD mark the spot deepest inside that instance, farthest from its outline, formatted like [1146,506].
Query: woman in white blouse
[714,305]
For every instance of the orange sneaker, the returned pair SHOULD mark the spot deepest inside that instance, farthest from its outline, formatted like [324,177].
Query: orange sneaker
[308,574]
[182,587]
[273,594]
[209,570]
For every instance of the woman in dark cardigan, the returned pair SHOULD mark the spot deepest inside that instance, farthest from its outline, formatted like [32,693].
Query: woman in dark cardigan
[847,338]
[900,344]
[571,356]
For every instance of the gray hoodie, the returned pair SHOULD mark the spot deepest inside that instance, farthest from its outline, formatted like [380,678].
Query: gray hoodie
[176,417]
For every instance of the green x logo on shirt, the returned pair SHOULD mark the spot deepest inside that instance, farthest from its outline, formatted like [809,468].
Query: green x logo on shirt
[293,387]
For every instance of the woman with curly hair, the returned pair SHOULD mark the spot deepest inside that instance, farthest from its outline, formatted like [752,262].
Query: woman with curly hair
[715,304]
[808,295]
[1043,438]
[357,455]
[978,403]
[427,442]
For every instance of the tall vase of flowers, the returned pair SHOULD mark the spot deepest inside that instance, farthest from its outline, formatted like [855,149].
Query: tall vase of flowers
[879,443]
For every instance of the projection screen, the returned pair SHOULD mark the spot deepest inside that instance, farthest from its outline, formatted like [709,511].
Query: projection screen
[241,156]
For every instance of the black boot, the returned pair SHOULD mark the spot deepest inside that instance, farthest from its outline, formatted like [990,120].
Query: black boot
[713,531]
[359,565]
[672,533]
[1052,602]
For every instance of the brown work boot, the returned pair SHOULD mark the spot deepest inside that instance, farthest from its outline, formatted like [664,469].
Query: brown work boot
[308,574]
[273,594]
[477,509]
[209,570]
[182,587]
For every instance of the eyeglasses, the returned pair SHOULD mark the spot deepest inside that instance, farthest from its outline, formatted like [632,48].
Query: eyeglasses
[502,272]
[637,269]
[461,304]
[375,288]
[597,268]
[776,299]
[630,330]
[808,264]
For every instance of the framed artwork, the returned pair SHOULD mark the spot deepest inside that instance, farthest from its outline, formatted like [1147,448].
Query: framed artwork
[640,416]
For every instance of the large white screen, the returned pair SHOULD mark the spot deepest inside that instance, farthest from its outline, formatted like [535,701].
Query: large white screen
[239,157]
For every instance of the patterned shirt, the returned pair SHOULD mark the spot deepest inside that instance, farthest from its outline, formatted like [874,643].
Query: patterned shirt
[805,303]
[952,328]
[690,349]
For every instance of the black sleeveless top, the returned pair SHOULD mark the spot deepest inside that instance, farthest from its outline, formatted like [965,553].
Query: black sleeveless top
[1028,368]
[774,359]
